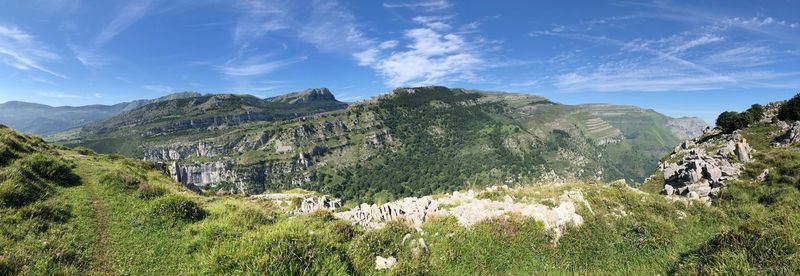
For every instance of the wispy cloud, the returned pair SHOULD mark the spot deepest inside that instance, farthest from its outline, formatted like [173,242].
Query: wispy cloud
[87,57]
[425,5]
[158,88]
[255,66]
[129,14]
[60,95]
[23,51]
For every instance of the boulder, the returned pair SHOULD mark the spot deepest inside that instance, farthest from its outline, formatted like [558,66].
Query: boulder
[382,263]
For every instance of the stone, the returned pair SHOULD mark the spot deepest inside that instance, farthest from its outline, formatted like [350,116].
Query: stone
[743,151]
[669,190]
[382,263]
[763,175]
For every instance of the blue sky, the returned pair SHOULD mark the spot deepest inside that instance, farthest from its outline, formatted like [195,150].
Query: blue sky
[679,58]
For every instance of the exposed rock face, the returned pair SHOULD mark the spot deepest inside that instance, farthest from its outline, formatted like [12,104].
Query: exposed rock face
[311,204]
[687,127]
[468,210]
[700,174]
[791,135]
[295,160]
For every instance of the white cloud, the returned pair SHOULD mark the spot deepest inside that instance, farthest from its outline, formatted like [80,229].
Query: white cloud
[425,5]
[128,15]
[87,57]
[744,56]
[59,95]
[431,57]
[256,66]
[700,41]
[23,51]
[389,44]
[158,88]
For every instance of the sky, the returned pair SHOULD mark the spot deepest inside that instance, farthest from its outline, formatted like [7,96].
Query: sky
[679,58]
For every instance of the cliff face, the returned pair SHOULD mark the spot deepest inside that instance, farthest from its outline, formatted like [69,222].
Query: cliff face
[687,127]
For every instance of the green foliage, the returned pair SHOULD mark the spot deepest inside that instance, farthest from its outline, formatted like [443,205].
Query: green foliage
[119,178]
[48,167]
[730,121]
[147,191]
[791,109]
[381,242]
[179,207]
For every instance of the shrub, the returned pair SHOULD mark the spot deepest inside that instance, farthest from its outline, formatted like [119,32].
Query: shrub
[85,151]
[251,218]
[49,168]
[147,191]
[42,213]
[730,121]
[119,178]
[791,109]
[378,242]
[176,206]
[17,190]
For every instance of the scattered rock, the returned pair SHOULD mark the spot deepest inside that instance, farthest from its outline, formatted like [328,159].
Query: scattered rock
[699,174]
[382,263]
[468,210]
[791,135]
[763,176]
[311,204]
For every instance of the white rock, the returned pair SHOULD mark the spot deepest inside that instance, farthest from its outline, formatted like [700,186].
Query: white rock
[382,263]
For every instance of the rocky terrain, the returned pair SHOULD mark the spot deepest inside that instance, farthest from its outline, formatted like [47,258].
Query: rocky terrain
[700,167]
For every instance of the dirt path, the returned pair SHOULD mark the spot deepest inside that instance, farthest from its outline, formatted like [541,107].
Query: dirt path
[103,266]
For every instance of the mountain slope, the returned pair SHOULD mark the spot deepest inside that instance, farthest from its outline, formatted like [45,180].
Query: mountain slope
[413,141]
[44,119]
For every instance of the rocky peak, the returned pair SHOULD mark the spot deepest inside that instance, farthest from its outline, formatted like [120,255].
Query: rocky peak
[687,127]
[305,96]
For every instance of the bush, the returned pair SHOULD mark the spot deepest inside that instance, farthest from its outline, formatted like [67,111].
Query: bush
[119,178]
[85,151]
[250,218]
[17,190]
[791,109]
[41,214]
[178,207]
[377,242]
[147,191]
[730,121]
[50,168]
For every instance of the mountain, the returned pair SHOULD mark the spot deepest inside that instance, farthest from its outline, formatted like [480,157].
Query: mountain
[44,119]
[74,211]
[413,141]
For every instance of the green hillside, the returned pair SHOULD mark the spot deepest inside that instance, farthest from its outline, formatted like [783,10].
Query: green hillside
[413,141]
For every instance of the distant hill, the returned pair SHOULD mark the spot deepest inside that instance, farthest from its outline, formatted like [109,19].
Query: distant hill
[45,120]
[413,141]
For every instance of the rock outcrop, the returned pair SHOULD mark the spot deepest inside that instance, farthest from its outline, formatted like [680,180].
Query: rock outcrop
[469,209]
[698,168]
[311,204]
[791,134]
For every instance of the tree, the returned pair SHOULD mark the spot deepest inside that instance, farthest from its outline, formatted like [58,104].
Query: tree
[790,111]
[729,121]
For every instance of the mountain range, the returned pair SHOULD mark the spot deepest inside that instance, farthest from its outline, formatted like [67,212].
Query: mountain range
[412,141]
